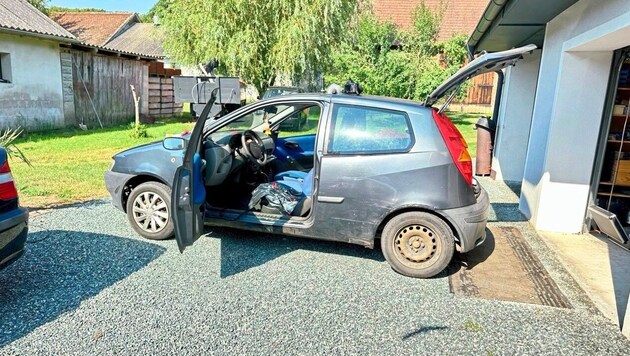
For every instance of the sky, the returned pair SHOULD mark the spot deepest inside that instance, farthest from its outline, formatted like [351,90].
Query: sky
[139,6]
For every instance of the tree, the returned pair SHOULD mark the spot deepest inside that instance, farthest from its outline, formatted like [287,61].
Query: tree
[40,5]
[53,9]
[257,39]
[387,61]
[160,7]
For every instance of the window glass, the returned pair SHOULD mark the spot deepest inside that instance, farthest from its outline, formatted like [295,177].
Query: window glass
[302,122]
[255,118]
[357,130]
[5,68]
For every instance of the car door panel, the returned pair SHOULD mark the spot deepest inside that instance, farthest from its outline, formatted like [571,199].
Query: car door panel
[298,150]
[188,195]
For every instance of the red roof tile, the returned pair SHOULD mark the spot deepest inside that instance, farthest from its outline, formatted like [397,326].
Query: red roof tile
[460,16]
[95,28]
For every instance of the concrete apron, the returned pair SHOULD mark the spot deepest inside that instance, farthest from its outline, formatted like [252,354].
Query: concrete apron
[581,265]
[601,268]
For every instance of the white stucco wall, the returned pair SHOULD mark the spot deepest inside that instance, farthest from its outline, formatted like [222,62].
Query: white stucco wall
[574,71]
[515,117]
[33,99]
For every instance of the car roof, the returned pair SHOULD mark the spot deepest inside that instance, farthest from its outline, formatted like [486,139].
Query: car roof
[367,100]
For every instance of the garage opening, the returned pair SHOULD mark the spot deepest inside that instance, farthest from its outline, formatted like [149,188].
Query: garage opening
[610,211]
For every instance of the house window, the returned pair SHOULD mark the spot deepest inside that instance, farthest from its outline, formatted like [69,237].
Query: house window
[5,68]
[363,130]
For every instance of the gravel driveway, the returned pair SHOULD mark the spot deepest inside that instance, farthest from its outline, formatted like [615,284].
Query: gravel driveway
[89,285]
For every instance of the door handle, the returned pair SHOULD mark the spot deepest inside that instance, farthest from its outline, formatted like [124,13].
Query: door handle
[334,200]
[291,145]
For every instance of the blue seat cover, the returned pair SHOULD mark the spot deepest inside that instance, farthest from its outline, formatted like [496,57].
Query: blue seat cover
[290,174]
[304,187]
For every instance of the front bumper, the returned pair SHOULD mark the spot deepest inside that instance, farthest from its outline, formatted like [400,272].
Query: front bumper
[115,184]
[13,233]
[470,222]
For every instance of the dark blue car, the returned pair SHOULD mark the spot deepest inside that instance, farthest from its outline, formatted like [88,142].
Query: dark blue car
[13,218]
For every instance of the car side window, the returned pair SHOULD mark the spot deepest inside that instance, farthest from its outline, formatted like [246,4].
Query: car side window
[364,130]
[303,122]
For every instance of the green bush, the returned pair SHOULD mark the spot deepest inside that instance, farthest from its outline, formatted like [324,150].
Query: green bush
[398,63]
[137,131]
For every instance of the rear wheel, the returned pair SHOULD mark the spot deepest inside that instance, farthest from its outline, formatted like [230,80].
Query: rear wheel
[417,244]
[149,211]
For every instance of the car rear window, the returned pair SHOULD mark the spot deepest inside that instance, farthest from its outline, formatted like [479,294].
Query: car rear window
[365,130]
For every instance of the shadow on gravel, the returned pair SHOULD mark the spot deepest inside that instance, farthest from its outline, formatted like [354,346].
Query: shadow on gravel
[58,271]
[506,212]
[242,250]
[422,330]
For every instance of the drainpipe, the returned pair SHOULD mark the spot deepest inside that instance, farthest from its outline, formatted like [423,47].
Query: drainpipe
[497,98]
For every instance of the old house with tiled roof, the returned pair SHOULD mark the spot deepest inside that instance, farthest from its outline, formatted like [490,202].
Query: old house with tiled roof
[30,69]
[96,28]
[72,72]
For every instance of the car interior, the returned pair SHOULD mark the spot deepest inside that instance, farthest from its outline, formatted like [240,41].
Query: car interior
[259,163]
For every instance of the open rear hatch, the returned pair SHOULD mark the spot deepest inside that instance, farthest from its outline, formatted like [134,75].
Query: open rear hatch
[485,63]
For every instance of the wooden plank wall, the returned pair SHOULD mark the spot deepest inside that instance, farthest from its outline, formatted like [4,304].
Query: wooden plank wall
[480,90]
[161,98]
[107,79]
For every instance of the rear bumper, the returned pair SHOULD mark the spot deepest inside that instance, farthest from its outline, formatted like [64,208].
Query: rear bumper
[470,222]
[13,233]
[115,184]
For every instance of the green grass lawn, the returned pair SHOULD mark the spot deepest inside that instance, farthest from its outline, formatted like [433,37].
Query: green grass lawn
[69,165]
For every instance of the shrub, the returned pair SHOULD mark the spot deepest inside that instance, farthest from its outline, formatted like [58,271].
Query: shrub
[137,131]
[388,61]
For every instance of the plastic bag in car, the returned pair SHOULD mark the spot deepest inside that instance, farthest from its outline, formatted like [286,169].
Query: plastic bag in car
[277,196]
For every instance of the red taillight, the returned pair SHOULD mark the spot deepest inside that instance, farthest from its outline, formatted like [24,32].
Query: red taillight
[456,145]
[7,186]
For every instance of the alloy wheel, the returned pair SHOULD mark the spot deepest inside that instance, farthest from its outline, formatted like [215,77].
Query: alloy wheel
[150,212]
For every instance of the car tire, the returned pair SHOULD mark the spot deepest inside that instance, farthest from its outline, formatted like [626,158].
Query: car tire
[417,244]
[149,211]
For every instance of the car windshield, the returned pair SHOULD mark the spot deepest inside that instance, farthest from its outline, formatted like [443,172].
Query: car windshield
[256,118]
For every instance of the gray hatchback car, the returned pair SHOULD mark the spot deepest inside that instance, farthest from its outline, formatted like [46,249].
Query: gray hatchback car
[362,168]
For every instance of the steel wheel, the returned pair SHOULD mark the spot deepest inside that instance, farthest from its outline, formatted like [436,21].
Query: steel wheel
[150,212]
[417,244]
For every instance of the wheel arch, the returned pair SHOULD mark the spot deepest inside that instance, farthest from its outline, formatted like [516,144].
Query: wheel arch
[136,181]
[422,209]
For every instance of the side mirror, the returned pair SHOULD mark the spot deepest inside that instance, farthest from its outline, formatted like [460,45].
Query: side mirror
[174,143]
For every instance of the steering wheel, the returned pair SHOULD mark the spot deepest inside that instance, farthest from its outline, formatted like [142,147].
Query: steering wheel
[253,147]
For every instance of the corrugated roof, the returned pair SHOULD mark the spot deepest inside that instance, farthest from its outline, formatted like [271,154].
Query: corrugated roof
[19,15]
[460,16]
[142,38]
[94,28]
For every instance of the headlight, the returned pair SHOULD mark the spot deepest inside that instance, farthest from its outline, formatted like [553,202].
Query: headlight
[111,164]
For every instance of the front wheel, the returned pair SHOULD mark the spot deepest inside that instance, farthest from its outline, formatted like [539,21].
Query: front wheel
[149,211]
[417,244]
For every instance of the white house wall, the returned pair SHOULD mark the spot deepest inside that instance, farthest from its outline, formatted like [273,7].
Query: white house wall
[568,111]
[515,116]
[33,99]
